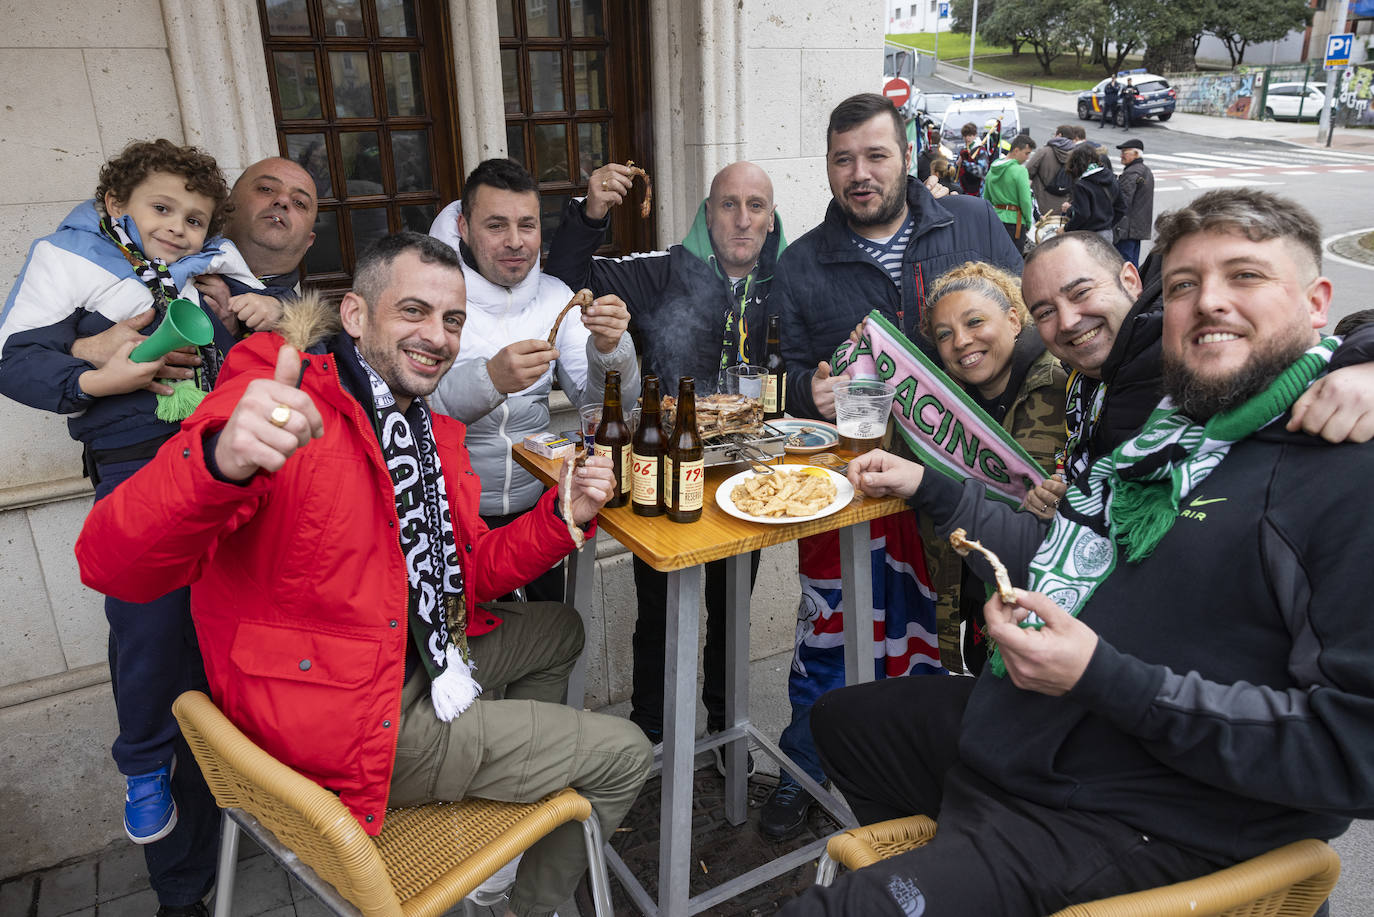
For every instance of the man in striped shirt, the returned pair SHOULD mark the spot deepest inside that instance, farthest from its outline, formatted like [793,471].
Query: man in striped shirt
[884,239]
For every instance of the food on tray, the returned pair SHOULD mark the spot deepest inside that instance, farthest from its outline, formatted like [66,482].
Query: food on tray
[960,541]
[784,493]
[718,415]
[582,299]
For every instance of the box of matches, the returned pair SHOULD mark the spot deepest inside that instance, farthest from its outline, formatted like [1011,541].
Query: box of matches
[549,445]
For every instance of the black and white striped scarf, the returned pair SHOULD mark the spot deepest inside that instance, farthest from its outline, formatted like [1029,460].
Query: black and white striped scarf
[438,613]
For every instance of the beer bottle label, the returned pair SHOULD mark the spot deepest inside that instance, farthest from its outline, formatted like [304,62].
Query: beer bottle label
[626,469]
[782,392]
[770,394]
[609,452]
[691,483]
[669,482]
[645,485]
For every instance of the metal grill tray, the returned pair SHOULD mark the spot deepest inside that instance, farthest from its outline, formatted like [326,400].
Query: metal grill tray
[734,448]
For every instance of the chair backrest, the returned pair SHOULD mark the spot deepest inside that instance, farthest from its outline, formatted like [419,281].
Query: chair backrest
[1290,881]
[303,816]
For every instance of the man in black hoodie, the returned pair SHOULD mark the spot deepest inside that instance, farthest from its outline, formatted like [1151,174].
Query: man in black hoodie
[1118,749]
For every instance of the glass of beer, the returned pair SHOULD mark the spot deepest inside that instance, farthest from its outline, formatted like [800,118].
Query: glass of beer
[862,407]
[591,419]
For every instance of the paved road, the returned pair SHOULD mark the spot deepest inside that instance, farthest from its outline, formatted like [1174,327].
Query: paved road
[1335,184]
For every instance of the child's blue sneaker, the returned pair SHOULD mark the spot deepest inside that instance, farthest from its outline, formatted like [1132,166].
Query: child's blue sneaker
[150,813]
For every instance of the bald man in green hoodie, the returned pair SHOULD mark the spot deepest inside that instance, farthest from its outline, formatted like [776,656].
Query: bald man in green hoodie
[694,310]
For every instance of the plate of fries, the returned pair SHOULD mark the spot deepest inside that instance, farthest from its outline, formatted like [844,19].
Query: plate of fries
[792,493]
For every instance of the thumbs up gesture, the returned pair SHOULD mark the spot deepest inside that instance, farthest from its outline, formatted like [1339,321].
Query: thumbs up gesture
[271,421]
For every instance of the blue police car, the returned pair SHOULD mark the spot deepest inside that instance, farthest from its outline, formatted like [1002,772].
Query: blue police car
[1156,100]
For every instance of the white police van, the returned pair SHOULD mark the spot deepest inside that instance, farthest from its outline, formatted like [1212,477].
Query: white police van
[984,110]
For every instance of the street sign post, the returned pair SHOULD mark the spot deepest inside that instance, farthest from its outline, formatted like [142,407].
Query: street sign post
[1338,51]
[1337,42]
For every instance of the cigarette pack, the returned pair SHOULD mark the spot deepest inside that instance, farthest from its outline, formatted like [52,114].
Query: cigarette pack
[549,445]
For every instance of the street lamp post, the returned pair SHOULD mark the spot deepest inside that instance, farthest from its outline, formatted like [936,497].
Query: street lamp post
[972,40]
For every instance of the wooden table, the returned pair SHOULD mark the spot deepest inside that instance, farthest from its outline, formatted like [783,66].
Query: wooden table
[680,550]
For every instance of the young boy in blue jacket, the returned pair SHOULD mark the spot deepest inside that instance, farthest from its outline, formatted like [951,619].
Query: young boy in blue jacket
[139,244]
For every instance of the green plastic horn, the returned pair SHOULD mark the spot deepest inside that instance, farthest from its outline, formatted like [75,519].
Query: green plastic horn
[185,324]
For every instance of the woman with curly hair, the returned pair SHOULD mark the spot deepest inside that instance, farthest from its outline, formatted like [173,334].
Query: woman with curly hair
[978,322]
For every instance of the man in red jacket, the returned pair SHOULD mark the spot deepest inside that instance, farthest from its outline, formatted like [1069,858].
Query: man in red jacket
[327,524]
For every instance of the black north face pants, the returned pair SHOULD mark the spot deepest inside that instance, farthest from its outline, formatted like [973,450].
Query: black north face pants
[993,853]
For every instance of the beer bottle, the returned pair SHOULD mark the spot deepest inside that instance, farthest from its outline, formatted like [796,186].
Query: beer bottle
[613,439]
[649,447]
[685,472]
[775,383]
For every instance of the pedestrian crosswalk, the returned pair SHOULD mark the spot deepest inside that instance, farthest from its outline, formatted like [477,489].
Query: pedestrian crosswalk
[1256,163]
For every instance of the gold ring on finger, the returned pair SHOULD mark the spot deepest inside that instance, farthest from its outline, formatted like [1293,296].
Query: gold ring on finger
[605,185]
[280,415]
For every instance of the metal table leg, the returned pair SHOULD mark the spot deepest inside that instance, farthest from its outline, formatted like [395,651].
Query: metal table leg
[856,581]
[737,595]
[679,740]
[578,593]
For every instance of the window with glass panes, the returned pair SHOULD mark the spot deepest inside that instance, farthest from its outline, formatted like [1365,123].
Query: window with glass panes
[575,78]
[361,92]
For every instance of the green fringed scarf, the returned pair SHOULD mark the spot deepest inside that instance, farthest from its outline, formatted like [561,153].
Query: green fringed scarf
[1133,495]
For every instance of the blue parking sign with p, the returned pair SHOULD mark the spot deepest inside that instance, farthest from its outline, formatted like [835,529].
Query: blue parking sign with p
[1338,50]
[944,10]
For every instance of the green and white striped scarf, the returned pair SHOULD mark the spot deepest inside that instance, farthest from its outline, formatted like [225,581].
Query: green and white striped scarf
[1133,495]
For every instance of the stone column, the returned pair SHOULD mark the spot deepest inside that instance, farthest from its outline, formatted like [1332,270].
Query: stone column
[698,72]
[477,71]
[220,72]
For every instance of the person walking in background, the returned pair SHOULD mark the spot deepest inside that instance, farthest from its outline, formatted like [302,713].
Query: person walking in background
[1007,188]
[1048,176]
[1110,94]
[1095,200]
[1137,185]
[974,161]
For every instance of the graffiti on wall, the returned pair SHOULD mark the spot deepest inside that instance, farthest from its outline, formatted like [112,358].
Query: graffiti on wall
[1356,91]
[1237,94]
[1223,95]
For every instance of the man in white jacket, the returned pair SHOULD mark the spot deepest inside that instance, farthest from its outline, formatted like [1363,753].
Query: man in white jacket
[499,385]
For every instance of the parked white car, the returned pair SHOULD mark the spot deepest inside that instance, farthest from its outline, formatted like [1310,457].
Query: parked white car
[1298,101]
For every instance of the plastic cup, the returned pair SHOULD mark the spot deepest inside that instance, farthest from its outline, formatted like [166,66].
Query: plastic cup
[744,379]
[862,407]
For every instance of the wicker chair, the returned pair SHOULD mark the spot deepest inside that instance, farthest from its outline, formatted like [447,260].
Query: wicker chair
[1291,881]
[426,859]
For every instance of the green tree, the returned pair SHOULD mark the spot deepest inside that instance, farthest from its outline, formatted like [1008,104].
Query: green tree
[1239,22]
[1046,25]
[1127,30]
[1171,29]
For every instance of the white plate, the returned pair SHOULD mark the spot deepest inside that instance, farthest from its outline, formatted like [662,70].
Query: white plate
[844,492]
